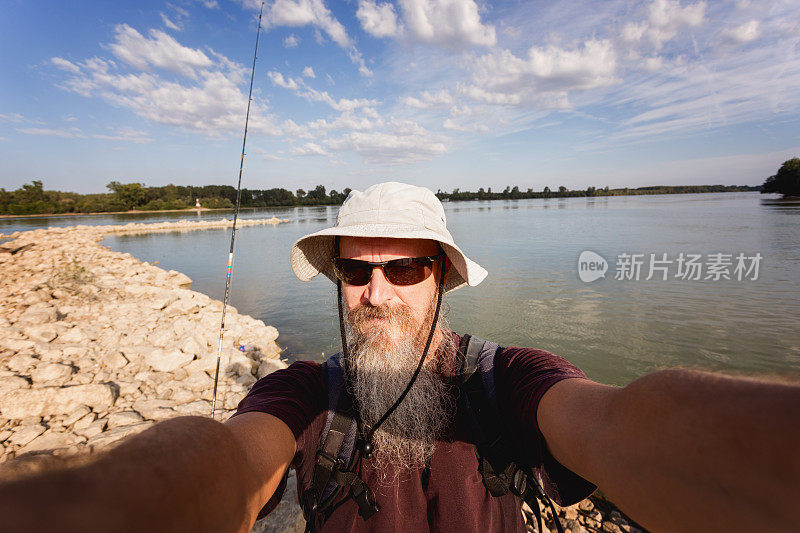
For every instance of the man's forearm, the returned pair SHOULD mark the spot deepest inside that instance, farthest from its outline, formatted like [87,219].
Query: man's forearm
[682,450]
[186,474]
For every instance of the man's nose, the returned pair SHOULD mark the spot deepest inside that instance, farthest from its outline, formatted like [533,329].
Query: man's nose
[378,290]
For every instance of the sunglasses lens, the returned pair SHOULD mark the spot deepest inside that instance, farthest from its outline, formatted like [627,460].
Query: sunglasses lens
[407,274]
[352,272]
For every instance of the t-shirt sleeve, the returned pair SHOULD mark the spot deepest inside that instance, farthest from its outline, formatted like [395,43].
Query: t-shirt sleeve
[523,375]
[295,395]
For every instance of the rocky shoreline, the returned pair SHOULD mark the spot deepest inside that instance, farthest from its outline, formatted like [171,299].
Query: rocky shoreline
[96,345]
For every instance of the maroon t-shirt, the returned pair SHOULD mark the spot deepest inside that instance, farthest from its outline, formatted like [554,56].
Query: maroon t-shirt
[449,495]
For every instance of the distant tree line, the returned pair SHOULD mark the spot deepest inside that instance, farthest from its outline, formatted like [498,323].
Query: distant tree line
[34,199]
[514,193]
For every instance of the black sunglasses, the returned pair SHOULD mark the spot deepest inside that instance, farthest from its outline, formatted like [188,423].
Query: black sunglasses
[403,271]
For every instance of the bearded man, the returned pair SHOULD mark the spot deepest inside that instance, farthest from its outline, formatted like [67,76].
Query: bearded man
[677,450]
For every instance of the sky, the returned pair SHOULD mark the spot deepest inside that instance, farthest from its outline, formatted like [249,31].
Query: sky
[441,93]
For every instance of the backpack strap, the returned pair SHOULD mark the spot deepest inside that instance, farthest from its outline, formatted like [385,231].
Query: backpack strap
[499,471]
[336,461]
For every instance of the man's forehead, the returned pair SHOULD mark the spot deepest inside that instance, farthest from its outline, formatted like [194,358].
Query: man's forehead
[354,247]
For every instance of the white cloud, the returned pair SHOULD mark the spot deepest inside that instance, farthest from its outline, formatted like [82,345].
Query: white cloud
[168,23]
[126,134]
[291,41]
[292,129]
[429,99]
[208,100]
[665,19]
[296,13]
[653,64]
[160,50]
[447,23]
[308,72]
[305,12]
[63,64]
[313,95]
[278,79]
[452,125]
[310,149]
[543,78]
[402,145]
[13,117]
[743,34]
[71,133]
[379,20]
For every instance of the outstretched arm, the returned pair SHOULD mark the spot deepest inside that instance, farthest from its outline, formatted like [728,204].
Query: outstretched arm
[185,474]
[681,450]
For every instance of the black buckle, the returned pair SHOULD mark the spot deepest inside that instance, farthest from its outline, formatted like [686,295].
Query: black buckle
[327,461]
[367,506]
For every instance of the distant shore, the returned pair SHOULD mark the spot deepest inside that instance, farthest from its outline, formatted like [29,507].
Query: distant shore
[455,196]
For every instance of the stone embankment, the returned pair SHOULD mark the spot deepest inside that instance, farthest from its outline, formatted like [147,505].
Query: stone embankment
[96,345]
[178,225]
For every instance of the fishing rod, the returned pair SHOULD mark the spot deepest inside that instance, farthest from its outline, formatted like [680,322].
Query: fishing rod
[235,217]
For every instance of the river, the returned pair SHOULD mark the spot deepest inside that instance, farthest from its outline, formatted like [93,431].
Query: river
[614,329]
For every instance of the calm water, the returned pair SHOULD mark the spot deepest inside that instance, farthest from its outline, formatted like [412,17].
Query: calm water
[615,330]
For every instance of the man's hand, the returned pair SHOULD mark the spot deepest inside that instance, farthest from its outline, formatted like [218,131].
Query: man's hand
[185,474]
[679,450]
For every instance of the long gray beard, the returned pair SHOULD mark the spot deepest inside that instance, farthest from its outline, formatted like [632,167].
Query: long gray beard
[380,369]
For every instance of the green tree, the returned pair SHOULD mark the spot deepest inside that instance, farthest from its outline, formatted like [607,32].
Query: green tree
[131,195]
[547,193]
[785,182]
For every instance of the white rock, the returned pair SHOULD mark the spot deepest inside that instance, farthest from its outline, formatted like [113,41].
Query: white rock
[114,360]
[55,400]
[183,396]
[155,409]
[198,381]
[95,428]
[41,332]
[124,418]
[24,434]
[205,364]
[113,435]
[11,383]
[39,314]
[16,345]
[51,374]
[192,347]
[74,335]
[52,440]
[77,414]
[197,407]
[22,363]
[167,360]
[84,422]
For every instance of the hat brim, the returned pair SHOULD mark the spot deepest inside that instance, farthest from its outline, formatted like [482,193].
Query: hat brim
[312,254]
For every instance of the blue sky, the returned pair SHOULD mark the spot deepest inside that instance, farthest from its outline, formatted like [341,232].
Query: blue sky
[442,93]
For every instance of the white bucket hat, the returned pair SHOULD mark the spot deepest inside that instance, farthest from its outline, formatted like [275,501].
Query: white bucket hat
[390,209]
